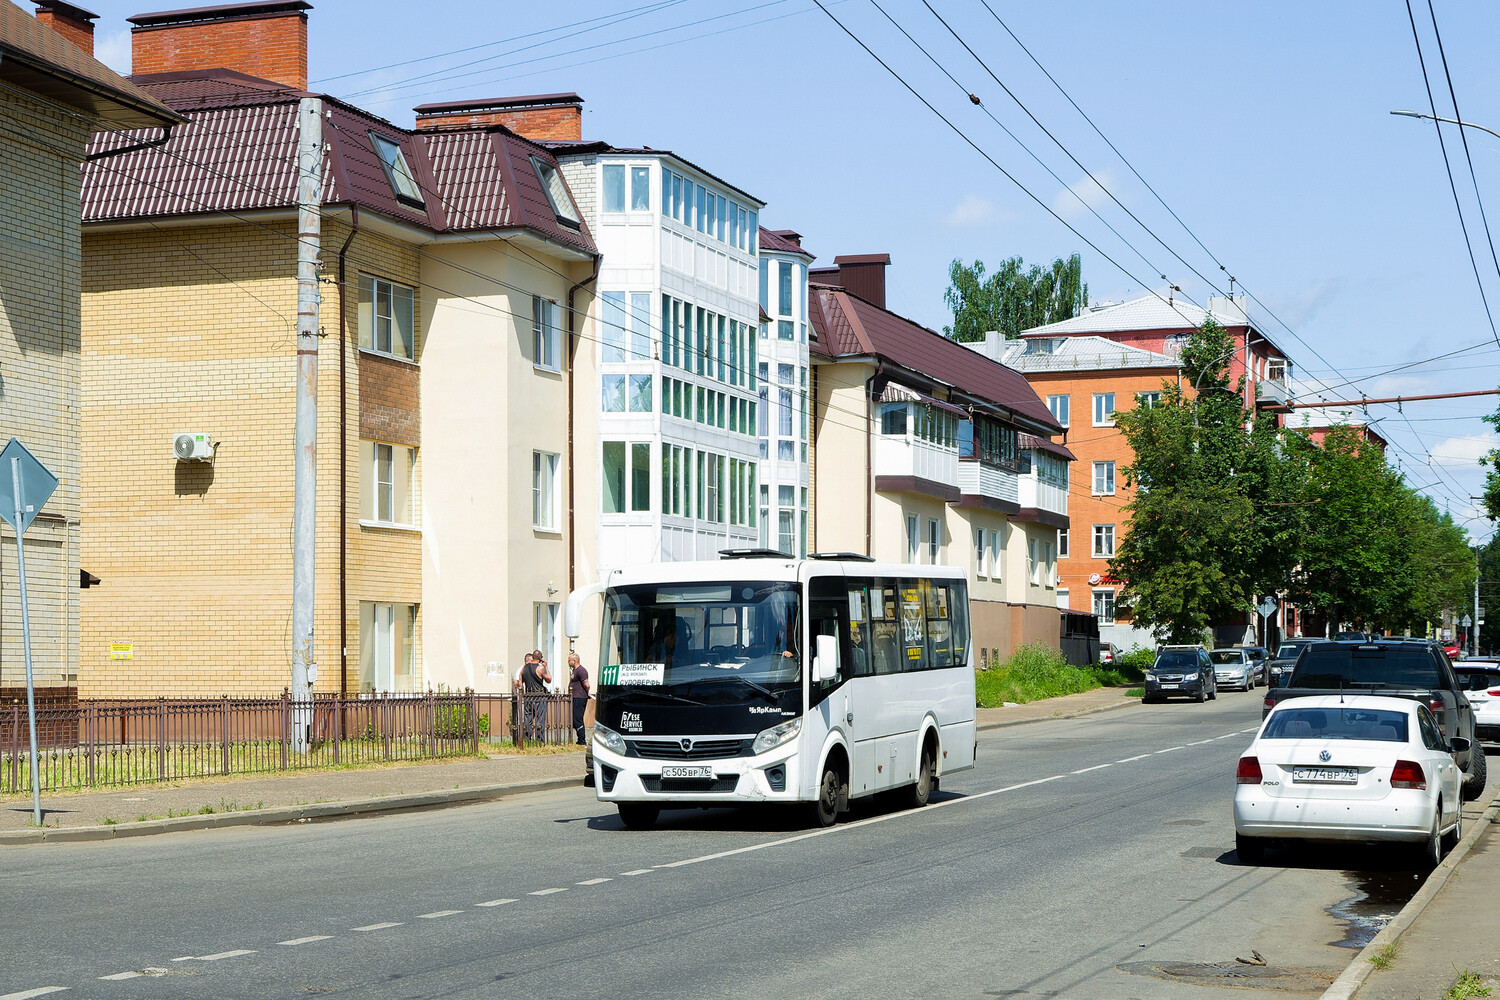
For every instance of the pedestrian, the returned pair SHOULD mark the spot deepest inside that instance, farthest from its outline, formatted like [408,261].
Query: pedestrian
[578,681]
[534,678]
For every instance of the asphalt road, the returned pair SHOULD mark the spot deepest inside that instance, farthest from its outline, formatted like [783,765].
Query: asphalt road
[1082,858]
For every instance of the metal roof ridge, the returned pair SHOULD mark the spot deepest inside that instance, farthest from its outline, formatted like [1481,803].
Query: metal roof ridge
[855,325]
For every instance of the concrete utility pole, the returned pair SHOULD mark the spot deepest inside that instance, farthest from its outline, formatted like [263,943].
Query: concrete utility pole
[305,483]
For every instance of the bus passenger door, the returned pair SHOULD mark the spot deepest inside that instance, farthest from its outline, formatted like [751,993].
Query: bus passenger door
[829,707]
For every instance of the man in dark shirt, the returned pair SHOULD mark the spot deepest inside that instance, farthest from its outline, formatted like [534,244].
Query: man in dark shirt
[578,683]
[534,678]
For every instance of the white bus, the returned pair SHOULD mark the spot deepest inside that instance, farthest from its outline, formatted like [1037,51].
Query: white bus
[760,678]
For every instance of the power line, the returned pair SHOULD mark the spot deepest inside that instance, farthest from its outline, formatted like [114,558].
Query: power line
[1422,61]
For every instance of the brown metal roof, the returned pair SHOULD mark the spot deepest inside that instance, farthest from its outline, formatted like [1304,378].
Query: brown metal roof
[1033,443]
[33,57]
[220,12]
[237,152]
[847,325]
[776,241]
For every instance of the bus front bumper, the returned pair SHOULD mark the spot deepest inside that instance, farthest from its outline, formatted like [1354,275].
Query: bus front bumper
[770,777]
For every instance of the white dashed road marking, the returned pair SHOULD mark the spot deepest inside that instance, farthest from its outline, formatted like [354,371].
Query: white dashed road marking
[594,881]
[28,994]
[294,942]
[437,913]
[638,871]
[1086,770]
[122,975]
[227,954]
[378,927]
[546,892]
[496,902]
[1139,756]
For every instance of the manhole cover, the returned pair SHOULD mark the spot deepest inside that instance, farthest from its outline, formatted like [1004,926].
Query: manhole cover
[1230,974]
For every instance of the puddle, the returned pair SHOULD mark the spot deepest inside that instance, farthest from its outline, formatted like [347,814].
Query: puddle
[1378,896]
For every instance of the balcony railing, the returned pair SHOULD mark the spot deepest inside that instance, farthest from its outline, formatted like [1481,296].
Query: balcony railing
[1043,495]
[985,480]
[1272,392]
[904,456]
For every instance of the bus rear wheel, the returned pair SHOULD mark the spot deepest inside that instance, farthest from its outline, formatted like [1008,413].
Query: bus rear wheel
[825,811]
[921,789]
[638,816]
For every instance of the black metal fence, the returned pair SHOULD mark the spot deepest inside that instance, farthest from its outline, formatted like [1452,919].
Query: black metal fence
[118,742]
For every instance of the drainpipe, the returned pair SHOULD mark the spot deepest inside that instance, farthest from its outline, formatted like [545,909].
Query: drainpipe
[572,350]
[344,461]
[166,136]
[870,459]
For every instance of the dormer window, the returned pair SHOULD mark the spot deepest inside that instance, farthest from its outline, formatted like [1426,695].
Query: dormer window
[557,193]
[397,172]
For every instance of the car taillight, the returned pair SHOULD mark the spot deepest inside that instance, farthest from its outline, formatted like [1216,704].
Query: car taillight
[1408,774]
[1493,692]
[1248,773]
[1439,715]
[1270,702]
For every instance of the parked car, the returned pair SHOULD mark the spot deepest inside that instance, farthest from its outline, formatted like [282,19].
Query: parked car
[1351,767]
[1181,670]
[1353,637]
[1260,656]
[1109,654]
[1480,680]
[1452,647]
[1415,670]
[1286,656]
[1233,667]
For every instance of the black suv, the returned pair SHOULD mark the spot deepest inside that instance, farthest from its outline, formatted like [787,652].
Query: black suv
[1393,668]
[1181,670]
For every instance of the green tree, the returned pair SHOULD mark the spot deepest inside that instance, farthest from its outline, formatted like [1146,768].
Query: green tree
[1217,504]
[1013,298]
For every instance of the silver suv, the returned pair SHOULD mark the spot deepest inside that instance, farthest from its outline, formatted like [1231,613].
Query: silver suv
[1181,671]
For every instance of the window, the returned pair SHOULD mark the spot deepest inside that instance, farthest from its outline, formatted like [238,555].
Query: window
[1104,479]
[386,317]
[1104,409]
[1062,543]
[614,187]
[1104,541]
[765,294]
[1059,407]
[997,553]
[640,189]
[934,541]
[1049,564]
[387,483]
[397,173]
[612,393]
[544,490]
[556,192]
[911,538]
[640,394]
[786,330]
[711,475]
[784,412]
[387,647]
[784,300]
[547,351]
[1062,598]
[1033,562]
[640,476]
[893,419]
[981,563]
[1104,606]
[544,634]
[1149,400]
[640,326]
[623,466]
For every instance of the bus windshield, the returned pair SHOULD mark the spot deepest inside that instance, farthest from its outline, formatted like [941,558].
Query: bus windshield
[720,644]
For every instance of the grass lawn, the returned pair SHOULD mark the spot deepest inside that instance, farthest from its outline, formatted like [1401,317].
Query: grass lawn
[1034,672]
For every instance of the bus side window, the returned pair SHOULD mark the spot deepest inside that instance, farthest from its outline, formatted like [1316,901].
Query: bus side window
[958,611]
[885,626]
[859,628]
[913,625]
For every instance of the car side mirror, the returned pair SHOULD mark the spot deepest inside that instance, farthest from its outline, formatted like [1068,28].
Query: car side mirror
[1459,744]
[825,665]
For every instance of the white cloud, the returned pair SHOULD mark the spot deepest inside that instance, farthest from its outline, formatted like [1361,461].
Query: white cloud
[972,211]
[1088,190]
[1465,451]
[1404,385]
[113,50]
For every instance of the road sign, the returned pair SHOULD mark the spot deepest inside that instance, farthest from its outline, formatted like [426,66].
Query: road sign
[30,485]
[1267,607]
[36,485]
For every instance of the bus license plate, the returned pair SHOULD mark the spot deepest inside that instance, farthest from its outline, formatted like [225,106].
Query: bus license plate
[668,773]
[1327,775]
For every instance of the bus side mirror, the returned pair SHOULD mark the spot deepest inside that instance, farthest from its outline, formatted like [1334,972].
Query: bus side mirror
[826,658]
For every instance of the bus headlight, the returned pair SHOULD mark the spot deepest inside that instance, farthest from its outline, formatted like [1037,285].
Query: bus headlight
[609,739]
[771,738]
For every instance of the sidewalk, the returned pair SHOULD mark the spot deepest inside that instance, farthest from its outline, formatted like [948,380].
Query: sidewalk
[302,796]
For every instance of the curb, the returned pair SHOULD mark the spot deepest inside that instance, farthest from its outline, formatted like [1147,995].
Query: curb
[1352,978]
[1130,703]
[286,814]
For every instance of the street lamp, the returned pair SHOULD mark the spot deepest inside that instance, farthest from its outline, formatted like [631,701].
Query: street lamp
[1450,121]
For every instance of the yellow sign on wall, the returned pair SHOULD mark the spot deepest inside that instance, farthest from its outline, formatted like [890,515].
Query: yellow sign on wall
[121,651]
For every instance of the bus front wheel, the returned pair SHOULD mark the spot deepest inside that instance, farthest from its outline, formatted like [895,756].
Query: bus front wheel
[637,816]
[825,811]
[921,789]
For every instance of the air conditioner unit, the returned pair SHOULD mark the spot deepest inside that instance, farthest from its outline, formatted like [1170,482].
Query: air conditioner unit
[193,448]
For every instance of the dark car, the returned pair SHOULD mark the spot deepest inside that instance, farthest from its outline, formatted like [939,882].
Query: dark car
[1392,668]
[1260,656]
[1280,666]
[1184,671]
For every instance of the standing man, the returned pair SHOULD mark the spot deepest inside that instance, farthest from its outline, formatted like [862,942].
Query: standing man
[534,678]
[579,683]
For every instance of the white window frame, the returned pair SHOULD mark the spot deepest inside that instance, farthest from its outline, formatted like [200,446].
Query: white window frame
[546,338]
[913,537]
[387,635]
[1033,562]
[934,541]
[1061,402]
[544,493]
[1099,604]
[1062,542]
[399,492]
[997,553]
[545,635]
[400,296]
[1104,479]
[981,553]
[1103,533]
[1104,409]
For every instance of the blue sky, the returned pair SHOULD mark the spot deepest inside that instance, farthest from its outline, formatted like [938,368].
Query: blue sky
[1264,126]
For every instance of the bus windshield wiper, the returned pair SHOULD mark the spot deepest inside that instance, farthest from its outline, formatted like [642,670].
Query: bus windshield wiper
[666,695]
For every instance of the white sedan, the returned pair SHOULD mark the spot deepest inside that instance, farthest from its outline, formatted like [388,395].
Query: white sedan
[1359,767]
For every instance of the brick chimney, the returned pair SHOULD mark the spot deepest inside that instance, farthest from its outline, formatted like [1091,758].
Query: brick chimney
[73,23]
[539,117]
[267,39]
[861,273]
